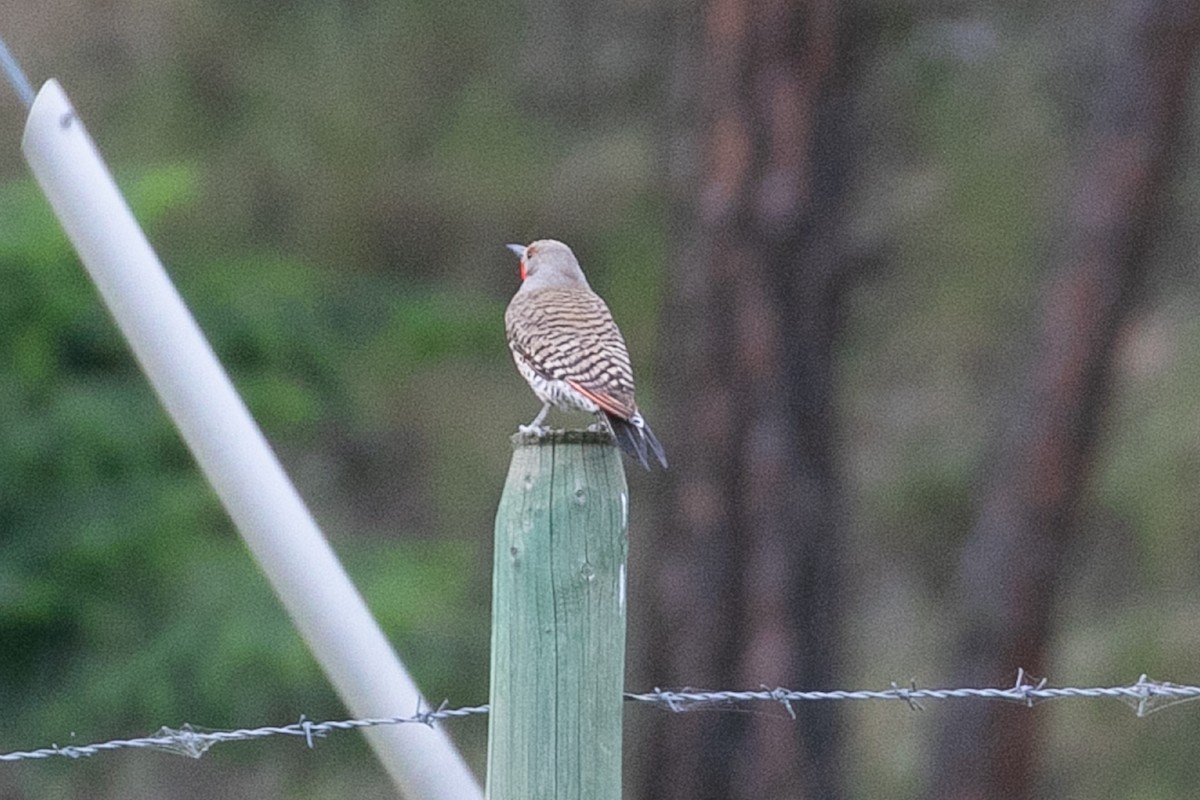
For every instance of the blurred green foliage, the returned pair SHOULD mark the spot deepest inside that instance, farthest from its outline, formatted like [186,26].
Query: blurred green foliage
[126,600]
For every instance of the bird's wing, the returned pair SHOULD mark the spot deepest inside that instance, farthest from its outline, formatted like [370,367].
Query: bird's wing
[569,335]
[607,401]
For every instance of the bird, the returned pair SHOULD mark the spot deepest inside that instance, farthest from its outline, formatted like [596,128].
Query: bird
[568,348]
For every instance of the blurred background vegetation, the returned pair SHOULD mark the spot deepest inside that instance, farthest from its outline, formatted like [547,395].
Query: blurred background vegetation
[331,186]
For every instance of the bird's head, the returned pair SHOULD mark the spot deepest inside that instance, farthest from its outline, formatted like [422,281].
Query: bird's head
[548,262]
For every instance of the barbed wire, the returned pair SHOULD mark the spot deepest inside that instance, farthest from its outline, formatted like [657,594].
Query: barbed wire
[194,742]
[1145,697]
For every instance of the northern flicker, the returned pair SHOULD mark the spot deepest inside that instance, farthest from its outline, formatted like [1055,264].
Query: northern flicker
[568,348]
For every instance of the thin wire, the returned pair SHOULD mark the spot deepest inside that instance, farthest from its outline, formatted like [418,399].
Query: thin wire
[193,742]
[16,76]
[1145,697]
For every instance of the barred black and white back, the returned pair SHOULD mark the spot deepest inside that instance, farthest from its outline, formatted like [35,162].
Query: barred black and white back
[568,348]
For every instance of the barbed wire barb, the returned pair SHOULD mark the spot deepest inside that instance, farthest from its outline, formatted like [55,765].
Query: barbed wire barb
[1027,693]
[429,716]
[186,741]
[906,694]
[1148,696]
[306,725]
[781,695]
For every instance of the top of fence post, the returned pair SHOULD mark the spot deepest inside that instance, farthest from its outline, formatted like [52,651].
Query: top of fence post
[558,620]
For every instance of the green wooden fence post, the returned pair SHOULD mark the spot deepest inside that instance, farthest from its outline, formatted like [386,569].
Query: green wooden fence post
[558,621]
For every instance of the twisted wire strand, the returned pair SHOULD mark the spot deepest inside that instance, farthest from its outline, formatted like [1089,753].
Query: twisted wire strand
[1145,696]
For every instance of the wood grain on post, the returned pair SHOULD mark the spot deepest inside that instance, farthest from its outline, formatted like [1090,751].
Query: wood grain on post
[558,621]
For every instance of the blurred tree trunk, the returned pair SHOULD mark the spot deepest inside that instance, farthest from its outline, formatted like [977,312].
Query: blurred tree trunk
[1008,574]
[746,569]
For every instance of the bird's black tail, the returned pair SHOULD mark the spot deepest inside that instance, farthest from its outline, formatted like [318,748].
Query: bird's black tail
[634,436]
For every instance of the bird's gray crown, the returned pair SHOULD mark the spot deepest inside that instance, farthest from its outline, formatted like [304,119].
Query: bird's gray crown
[549,263]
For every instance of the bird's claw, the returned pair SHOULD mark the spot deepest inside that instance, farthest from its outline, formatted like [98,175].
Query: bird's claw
[533,430]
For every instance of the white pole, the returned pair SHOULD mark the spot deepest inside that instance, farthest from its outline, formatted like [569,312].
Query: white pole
[233,453]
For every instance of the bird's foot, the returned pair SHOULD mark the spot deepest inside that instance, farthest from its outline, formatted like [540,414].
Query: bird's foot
[597,427]
[533,429]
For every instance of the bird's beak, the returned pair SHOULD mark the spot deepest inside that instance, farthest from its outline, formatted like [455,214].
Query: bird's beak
[519,249]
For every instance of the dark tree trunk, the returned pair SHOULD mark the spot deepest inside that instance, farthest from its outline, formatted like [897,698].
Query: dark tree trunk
[1014,554]
[746,571]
